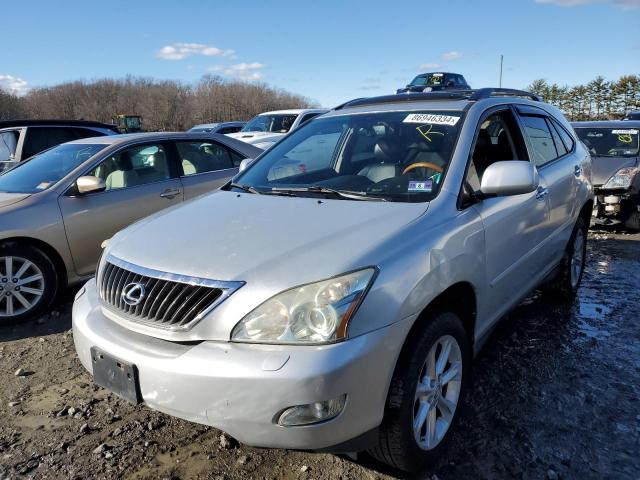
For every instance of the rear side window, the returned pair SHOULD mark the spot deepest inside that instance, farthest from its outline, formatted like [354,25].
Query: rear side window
[541,140]
[202,157]
[567,139]
[41,138]
[8,143]
[86,133]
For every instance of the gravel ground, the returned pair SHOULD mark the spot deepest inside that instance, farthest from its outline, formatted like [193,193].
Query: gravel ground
[555,395]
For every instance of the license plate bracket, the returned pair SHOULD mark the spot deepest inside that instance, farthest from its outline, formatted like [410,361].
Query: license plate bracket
[116,375]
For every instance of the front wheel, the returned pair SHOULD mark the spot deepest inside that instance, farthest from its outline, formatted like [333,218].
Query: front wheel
[28,282]
[426,392]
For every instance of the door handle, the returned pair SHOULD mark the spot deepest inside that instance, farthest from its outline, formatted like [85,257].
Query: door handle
[170,193]
[577,170]
[541,193]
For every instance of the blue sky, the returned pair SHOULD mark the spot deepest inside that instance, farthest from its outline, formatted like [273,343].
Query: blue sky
[328,50]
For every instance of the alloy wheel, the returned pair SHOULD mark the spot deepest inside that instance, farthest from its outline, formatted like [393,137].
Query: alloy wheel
[437,392]
[21,285]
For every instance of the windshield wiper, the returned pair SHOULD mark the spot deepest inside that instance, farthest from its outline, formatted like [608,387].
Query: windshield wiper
[319,189]
[245,188]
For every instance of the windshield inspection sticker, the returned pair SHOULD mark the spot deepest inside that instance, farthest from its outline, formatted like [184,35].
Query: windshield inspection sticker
[425,186]
[449,120]
[624,132]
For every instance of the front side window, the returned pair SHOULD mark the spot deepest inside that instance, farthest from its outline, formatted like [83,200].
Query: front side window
[610,142]
[542,144]
[202,157]
[134,166]
[47,168]
[276,123]
[393,156]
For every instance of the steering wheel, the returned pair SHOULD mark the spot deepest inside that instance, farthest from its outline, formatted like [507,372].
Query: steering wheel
[430,165]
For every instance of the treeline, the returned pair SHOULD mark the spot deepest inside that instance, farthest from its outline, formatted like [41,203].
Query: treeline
[165,105]
[597,100]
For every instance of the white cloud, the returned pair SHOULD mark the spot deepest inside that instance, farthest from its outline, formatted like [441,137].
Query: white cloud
[180,51]
[450,56]
[243,71]
[624,4]
[429,66]
[14,85]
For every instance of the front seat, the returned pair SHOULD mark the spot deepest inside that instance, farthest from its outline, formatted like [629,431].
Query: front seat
[125,175]
[482,153]
[386,166]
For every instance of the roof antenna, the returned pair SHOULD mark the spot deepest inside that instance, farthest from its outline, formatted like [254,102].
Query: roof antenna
[500,76]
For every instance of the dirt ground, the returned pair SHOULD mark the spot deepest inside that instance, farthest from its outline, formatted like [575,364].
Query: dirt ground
[556,394]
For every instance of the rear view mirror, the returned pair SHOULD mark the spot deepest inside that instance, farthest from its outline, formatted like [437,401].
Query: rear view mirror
[90,184]
[244,164]
[513,177]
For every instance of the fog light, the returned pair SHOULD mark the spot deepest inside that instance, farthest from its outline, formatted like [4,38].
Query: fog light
[312,412]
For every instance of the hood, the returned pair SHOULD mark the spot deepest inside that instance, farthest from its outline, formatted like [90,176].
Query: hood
[603,168]
[264,239]
[256,137]
[7,198]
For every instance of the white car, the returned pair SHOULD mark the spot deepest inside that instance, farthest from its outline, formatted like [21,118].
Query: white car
[267,128]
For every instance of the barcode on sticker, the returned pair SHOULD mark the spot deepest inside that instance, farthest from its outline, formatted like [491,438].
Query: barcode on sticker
[430,118]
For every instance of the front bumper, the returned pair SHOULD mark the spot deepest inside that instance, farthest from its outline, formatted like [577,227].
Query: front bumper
[241,388]
[614,206]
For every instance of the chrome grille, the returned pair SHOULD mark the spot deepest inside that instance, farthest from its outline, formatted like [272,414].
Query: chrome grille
[166,300]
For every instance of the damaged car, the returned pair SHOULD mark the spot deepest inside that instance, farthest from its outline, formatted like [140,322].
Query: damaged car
[338,306]
[614,147]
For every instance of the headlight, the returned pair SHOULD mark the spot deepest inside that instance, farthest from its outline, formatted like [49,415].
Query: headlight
[314,313]
[622,178]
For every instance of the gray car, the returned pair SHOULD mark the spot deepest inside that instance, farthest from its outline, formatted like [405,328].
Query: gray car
[337,305]
[58,207]
[615,153]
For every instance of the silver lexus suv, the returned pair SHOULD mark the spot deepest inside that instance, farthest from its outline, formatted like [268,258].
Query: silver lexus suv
[332,297]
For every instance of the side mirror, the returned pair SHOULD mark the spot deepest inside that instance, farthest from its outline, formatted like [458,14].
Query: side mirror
[244,164]
[513,177]
[90,184]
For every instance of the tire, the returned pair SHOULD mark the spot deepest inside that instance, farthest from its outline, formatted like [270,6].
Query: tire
[397,444]
[566,284]
[633,221]
[31,285]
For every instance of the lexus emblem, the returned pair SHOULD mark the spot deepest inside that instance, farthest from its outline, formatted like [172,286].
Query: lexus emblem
[133,293]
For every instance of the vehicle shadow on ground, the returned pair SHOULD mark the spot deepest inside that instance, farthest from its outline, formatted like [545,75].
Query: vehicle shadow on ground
[56,320]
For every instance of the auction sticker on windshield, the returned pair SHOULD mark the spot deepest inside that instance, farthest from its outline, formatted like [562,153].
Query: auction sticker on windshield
[624,132]
[425,186]
[427,118]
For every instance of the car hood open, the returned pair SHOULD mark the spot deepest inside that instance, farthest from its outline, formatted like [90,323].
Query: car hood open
[603,168]
[265,239]
[7,198]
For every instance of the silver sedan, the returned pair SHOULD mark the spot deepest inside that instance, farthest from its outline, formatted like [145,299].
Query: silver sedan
[58,207]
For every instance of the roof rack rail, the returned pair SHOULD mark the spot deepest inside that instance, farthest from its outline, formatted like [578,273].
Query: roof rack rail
[502,92]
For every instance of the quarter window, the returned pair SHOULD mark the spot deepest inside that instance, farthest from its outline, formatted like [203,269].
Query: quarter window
[544,149]
[134,166]
[202,157]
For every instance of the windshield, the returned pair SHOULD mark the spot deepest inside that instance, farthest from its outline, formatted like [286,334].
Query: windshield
[394,156]
[46,168]
[610,142]
[430,79]
[280,123]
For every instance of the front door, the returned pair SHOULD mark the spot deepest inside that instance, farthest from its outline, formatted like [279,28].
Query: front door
[140,181]
[515,226]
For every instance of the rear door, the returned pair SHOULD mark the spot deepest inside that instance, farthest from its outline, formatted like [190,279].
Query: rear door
[140,179]
[560,170]
[205,165]
[515,226]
